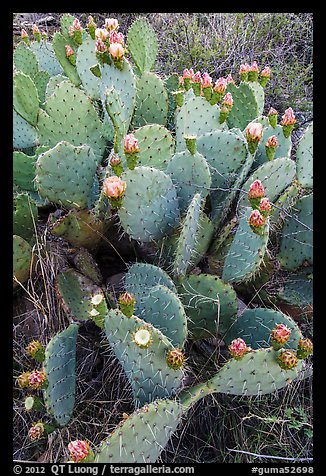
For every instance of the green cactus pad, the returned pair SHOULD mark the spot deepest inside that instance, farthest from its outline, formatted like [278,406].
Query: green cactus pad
[156,146]
[298,289]
[86,264]
[151,101]
[171,84]
[146,369]
[24,135]
[246,252]
[60,369]
[66,21]
[85,59]
[142,44]
[162,308]
[210,304]
[25,60]
[187,240]
[24,216]
[275,176]
[226,153]
[297,235]
[283,205]
[22,260]
[257,373]
[46,58]
[59,42]
[24,170]
[141,277]
[304,155]
[65,174]
[191,175]
[196,117]
[64,109]
[25,98]
[124,83]
[247,104]
[254,326]
[41,80]
[75,292]
[53,82]
[81,228]
[150,209]
[143,435]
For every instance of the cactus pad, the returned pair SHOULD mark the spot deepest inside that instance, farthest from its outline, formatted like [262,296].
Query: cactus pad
[304,155]
[65,174]
[22,260]
[246,252]
[60,369]
[297,235]
[142,44]
[210,304]
[150,208]
[191,175]
[247,104]
[85,59]
[80,298]
[24,216]
[146,369]
[66,107]
[46,58]
[25,98]
[151,101]
[141,277]
[143,435]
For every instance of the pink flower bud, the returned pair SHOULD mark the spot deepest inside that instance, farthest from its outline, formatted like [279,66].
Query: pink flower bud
[244,68]
[254,67]
[266,72]
[24,33]
[188,73]
[79,450]
[102,34]
[265,205]
[114,187]
[91,21]
[127,299]
[76,25]
[115,160]
[36,30]
[181,81]
[100,46]
[272,112]
[36,379]
[256,219]
[256,190]
[206,81]
[229,79]
[288,119]
[36,431]
[228,100]
[238,348]
[197,77]
[116,37]
[272,142]
[69,51]
[280,335]
[111,24]
[254,131]
[130,144]
[220,85]
[116,50]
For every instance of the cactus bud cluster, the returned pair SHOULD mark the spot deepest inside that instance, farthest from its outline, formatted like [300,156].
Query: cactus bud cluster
[114,188]
[36,350]
[272,117]
[80,451]
[253,132]
[270,146]
[279,336]
[288,121]
[127,303]
[131,150]
[261,207]
[238,348]
[175,359]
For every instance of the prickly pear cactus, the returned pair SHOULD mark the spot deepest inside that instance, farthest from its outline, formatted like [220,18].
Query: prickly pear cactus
[60,370]
[142,436]
[22,260]
[297,234]
[146,368]
[150,209]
